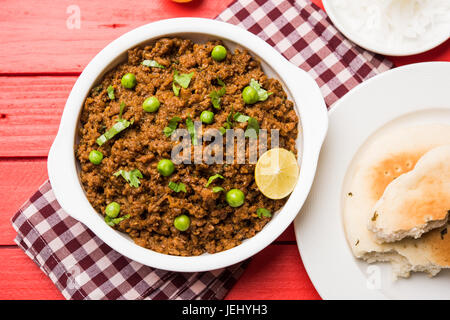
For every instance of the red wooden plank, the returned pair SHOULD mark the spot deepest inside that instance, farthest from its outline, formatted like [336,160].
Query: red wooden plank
[440,53]
[275,273]
[44,28]
[287,236]
[19,179]
[22,279]
[30,111]
[38,40]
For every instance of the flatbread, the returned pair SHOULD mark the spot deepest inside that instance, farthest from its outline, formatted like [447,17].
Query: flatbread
[416,202]
[383,158]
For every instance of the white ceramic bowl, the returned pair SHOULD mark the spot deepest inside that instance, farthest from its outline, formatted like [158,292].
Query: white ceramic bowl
[301,88]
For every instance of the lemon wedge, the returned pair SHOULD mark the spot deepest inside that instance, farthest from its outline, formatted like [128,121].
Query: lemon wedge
[276,173]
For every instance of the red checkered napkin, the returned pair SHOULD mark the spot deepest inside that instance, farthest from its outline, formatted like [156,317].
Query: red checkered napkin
[302,32]
[83,267]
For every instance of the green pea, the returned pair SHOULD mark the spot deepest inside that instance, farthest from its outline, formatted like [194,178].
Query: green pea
[235,198]
[165,167]
[207,117]
[151,104]
[219,53]
[182,222]
[129,81]
[112,210]
[250,95]
[95,157]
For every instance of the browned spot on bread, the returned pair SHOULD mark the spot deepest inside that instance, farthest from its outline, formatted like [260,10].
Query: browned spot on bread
[389,169]
[419,196]
[430,205]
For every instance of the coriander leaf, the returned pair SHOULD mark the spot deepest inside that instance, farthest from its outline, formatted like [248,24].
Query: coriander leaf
[216,95]
[108,221]
[215,99]
[177,187]
[212,178]
[152,63]
[182,79]
[175,89]
[217,189]
[239,117]
[173,123]
[262,93]
[113,221]
[262,212]
[229,123]
[191,129]
[111,92]
[122,107]
[252,128]
[118,127]
[222,130]
[222,91]
[132,177]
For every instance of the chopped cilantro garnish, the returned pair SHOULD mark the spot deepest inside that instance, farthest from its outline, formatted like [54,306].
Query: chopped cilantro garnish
[262,212]
[220,82]
[191,129]
[212,178]
[152,63]
[222,130]
[132,177]
[262,93]
[229,123]
[215,99]
[122,107]
[217,189]
[111,92]
[113,221]
[173,123]
[175,89]
[177,187]
[118,127]
[252,128]
[216,95]
[183,79]
[239,117]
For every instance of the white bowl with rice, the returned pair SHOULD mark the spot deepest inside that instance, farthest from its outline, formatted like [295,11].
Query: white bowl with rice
[392,27]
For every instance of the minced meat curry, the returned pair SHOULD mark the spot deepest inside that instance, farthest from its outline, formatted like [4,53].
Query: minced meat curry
[125,145]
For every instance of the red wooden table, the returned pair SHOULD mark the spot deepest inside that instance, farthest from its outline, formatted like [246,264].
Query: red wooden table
[41,57]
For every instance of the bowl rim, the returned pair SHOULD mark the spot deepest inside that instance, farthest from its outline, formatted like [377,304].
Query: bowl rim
[64,177]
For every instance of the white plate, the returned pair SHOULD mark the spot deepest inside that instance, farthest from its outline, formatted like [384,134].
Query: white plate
[410,95]
[424,43]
